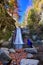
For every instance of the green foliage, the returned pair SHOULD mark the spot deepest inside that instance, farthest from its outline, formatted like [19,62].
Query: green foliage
[32,16]
[6,35]
[33,20]
[7,24]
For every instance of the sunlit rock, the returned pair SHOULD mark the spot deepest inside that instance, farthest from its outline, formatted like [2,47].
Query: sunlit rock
[29,62]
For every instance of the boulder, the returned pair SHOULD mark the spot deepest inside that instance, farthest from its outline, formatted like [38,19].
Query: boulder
[34,37]
[6,43]
[11,50]
[29,62]
[31,50]
[5,50]
[42,41]
[29,55]
[4,57]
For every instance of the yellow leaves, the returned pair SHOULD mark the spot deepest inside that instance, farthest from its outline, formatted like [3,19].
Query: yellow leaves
[37,5]
[11,2]
[29,13]
[41,3]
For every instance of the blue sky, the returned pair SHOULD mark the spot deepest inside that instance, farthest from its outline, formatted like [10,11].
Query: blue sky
[23,4]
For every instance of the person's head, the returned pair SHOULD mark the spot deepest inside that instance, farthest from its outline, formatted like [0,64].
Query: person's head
[25,39]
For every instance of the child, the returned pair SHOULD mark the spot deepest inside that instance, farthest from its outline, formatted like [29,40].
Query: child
[29,42]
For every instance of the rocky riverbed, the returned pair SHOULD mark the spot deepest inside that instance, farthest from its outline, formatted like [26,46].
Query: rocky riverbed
[17,55]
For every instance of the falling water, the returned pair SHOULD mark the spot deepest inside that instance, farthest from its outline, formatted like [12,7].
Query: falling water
[18,40]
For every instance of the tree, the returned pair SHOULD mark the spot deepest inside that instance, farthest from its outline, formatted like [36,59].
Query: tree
[35,18]
[7,24]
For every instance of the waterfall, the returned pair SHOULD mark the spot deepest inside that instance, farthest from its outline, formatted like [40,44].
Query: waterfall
[18,39]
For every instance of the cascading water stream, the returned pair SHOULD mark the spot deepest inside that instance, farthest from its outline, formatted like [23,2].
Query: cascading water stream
[18,43]
[18,39]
